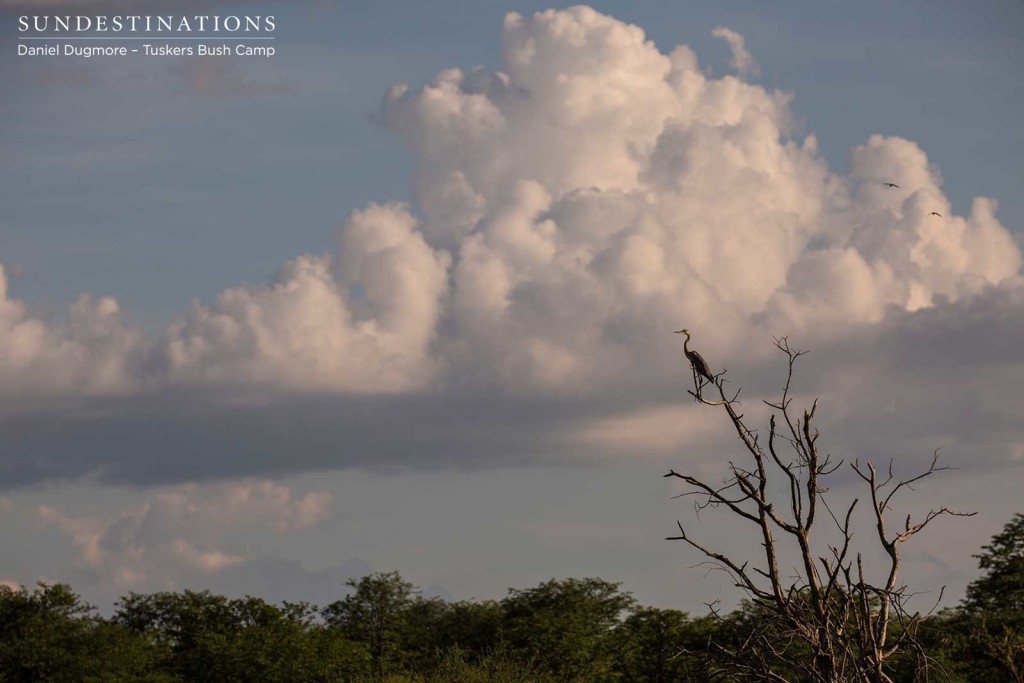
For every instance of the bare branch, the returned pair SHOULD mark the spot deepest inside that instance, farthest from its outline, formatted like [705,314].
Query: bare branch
[827,607]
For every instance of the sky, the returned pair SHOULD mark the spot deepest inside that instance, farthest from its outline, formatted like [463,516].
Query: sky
[401,296]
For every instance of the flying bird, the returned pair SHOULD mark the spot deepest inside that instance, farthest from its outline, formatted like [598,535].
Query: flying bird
[700,366]
[891,185]
[935,213]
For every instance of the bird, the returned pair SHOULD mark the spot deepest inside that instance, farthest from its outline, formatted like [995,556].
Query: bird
[700,366]
[891,185]
[935,213]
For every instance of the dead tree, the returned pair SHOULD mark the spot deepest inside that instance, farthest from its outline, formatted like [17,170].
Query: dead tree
[825,620]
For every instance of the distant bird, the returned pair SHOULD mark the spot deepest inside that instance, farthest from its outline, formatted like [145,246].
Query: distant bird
[935,213]
[700,366]
[891,185]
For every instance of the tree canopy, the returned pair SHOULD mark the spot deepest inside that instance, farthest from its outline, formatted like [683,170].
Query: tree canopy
[560,631]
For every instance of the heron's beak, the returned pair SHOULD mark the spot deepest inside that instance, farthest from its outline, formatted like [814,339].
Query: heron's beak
[679,332]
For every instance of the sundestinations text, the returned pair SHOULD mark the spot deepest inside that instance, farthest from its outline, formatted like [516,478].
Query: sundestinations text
[133,23]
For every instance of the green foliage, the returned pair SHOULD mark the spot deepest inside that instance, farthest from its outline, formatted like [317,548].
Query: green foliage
[211,638]
[375,615]
[566,626]
[472,627]
[497,666]
[662,645]
[560,631]
[1000,590]
[42,634]
[939,661]
[987,635]
[50,634]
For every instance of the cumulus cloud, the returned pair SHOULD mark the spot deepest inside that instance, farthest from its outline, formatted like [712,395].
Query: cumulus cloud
[363,325]
[90,350]
[179,533]
[569,211]
[741,59]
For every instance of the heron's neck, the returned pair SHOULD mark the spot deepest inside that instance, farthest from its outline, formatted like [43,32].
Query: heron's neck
[686,344]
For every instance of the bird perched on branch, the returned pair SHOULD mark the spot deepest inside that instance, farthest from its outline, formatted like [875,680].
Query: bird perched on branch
[892,186]
[700,366]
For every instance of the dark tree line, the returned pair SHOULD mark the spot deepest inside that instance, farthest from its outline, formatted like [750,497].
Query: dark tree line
[570,630]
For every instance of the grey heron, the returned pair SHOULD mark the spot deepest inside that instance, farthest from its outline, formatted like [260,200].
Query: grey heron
[700,366]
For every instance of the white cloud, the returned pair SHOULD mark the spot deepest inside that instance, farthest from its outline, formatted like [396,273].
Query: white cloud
[180,533]
[570,210]
[741,60]
[365,330]
[660,431]
[91,350]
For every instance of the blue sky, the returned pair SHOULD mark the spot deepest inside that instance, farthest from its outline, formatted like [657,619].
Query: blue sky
[463,463]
